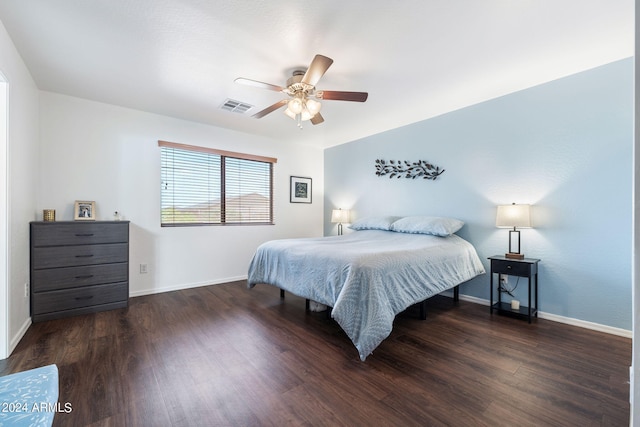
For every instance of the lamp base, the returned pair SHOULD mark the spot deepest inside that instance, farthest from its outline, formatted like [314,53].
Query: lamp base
[514,256]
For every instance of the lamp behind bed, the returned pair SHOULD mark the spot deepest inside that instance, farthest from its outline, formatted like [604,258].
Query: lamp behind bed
[340,216]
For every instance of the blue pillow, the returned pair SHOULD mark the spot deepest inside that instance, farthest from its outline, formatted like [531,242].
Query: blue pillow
[374,223]
[438,226]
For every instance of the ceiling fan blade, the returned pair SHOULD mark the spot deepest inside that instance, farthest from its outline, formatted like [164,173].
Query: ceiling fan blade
[317,119]
[255,83]
[318,67]
[336,95]
[270,109]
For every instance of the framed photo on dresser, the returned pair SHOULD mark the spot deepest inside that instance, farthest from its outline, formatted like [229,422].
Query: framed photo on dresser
[84,211]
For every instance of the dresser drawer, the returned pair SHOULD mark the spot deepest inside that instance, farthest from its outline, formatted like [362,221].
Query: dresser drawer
[73,277]
[75,233]
[512,268]
[67,299]
[70,256]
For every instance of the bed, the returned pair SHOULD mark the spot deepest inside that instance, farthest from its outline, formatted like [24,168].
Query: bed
[370,275]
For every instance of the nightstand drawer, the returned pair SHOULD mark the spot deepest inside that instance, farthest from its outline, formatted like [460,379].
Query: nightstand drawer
[511,268]
[50,279]
[47,302]
[70,256]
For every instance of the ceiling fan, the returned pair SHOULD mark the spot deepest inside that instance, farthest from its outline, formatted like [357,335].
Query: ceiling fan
[301,88]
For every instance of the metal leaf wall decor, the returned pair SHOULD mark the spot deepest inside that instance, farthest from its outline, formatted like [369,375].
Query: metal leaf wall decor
[404,169]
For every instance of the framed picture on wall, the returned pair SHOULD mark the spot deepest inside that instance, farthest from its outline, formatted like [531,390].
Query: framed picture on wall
[84,211]
[300,190]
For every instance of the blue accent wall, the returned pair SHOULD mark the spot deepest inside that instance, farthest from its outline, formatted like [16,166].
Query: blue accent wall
[565,147]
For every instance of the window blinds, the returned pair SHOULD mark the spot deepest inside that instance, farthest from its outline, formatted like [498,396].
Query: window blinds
[201,186]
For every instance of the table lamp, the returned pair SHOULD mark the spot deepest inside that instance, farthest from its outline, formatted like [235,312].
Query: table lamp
[516,216]
[340,216]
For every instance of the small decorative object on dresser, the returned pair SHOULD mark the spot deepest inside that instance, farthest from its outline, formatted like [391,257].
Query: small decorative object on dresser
[84,211]
[49,215]
[78,268]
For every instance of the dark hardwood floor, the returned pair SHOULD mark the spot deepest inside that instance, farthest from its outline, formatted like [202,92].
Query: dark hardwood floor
[226,355]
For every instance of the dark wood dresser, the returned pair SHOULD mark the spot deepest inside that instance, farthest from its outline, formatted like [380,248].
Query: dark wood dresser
[78,267]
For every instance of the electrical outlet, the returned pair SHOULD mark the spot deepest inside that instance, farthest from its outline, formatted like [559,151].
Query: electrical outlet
[26,290]
[143,269]
[504,279]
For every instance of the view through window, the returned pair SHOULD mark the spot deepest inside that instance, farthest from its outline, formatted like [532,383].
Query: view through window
[202,186]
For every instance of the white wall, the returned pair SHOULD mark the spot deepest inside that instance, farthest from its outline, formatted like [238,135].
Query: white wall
[109,154]
[21,181]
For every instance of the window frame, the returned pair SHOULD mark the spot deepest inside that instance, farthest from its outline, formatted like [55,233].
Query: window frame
[223,155]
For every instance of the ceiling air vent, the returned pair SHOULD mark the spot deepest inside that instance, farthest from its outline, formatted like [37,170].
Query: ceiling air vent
[235,106]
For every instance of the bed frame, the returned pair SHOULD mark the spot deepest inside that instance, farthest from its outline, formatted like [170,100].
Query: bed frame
[423,304]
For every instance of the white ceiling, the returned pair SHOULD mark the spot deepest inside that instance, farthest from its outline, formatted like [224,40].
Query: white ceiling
[416,58]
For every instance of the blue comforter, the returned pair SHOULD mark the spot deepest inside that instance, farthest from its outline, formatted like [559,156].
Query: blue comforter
[368,276]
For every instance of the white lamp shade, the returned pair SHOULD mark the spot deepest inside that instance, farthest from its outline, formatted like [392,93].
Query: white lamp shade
[296,105]
[290,113]
[340,215]
[305,115]
[313,106]
[510,216]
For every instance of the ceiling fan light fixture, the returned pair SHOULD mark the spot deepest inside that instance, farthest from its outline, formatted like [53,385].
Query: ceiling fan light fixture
[296,105]
[296,117]
[313,106]
[300,87]
[301,108]
[306,115]
[290,113]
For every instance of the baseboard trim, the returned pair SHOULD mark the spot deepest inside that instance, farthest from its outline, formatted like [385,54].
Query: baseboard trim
[587,325]
[180,287]
[566,320]
[18,336]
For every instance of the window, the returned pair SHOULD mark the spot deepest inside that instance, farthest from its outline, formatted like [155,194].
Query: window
[203,186]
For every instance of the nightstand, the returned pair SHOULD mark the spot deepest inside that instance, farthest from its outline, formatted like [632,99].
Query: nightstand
[527,267]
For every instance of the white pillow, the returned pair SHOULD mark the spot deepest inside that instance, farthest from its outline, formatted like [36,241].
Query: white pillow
[438,226]
[374,223]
